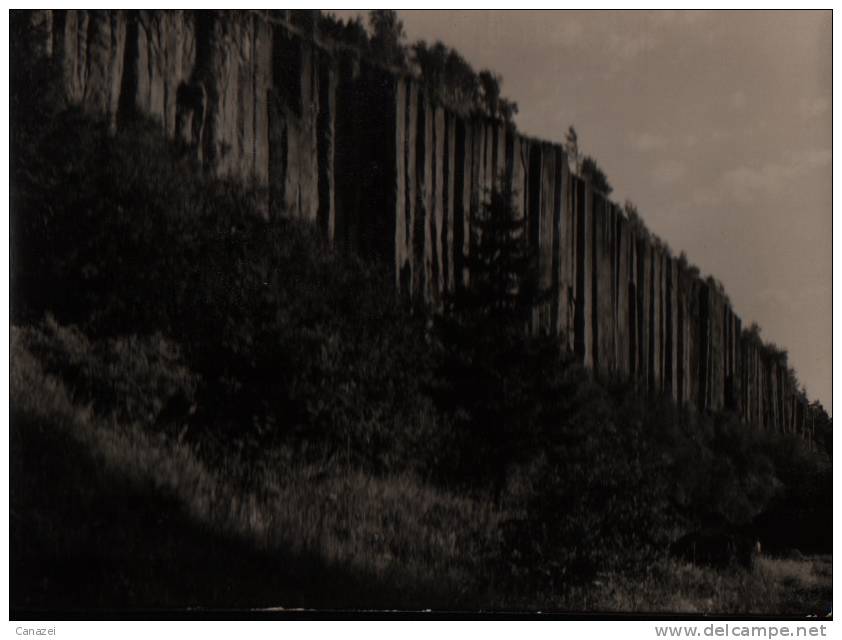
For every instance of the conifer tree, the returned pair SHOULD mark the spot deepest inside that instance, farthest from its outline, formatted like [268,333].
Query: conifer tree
[489,363]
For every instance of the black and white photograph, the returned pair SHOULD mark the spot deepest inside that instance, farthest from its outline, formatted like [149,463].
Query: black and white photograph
[418,313]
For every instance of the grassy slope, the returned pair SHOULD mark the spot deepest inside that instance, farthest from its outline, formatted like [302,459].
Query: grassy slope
[774,587]
[108,515]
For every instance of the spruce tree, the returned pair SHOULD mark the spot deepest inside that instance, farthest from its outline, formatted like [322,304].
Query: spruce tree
[489,363]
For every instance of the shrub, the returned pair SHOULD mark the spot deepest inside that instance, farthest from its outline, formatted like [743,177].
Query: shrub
[132,378]
[120,235]
[596,500]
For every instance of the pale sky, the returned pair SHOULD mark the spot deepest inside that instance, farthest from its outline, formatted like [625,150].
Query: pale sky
[718,125]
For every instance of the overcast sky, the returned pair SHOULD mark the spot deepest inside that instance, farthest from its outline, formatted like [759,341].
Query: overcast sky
[718,125]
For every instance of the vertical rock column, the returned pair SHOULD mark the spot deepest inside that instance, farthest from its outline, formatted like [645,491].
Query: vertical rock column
[436,249]
[655,320]
[449,196]
[631,303]
[424,210]
[717,348]
[583,343]
[403,213]
[262,83]
[671,357]
[681,337]
[325,139]
[603,252]
[160,58]
[563,254]
[547,228]
[90,46]
[463,190]
[345,148]
[644,294]
[294,113]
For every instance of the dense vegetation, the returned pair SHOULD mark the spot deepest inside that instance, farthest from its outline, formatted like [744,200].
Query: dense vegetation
[447,76]
[193,359]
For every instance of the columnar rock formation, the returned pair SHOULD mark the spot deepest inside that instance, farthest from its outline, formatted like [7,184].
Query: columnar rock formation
[364,152]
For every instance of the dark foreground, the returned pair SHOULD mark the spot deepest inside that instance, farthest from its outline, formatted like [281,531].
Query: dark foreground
[110,516]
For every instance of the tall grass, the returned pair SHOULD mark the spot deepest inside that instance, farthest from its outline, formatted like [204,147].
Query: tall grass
[420,541]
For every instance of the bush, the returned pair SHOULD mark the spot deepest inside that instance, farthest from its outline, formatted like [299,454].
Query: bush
[132,378]
[119,235]
[595,500]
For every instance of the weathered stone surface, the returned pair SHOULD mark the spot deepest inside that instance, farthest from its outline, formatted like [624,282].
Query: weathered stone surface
[403,212]
[563,244]
[437,256]
[644,310]
[583,347]
[623,306]
[463,179]
[160,60]
[426,215]
[602,332]
[90,47]
[544,169]
[449,197]
[326,137]
[655,324]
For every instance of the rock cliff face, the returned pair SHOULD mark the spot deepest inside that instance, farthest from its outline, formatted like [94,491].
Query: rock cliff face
[381,168]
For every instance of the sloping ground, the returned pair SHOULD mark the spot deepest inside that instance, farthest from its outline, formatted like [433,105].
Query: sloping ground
[107,515]
[799,587]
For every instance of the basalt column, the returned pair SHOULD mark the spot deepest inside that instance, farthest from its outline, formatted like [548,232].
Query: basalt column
[583,342]
[683,341]
[407,202]
[449,197]
[160,58]
[367,161]
[716,379]
[655,320]
[463,179]
[563,243]
[543,228]
[671,330]
[346,143]
[620,288]
[644,296]
[631,305]
[378,133]
[603,282]
[423,181]
[326,137]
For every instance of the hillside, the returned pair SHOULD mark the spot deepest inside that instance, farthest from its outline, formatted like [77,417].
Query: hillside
[212,410]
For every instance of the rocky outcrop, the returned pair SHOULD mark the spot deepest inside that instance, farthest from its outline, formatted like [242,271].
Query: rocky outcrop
[370,157]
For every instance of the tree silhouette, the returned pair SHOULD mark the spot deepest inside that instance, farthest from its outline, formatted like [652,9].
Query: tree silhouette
[462,81]
[502,265]
[432,63]
[388,38]
[491,99]
[489,83]
[571,145]
[491,371]
[599,180]
[351,32]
